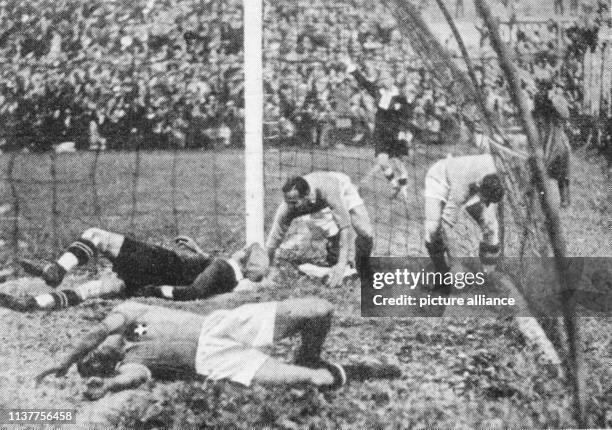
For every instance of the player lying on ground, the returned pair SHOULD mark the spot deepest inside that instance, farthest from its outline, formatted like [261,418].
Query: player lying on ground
[312,193]
[145,269]
[137,342]
[391,135]
[469,182]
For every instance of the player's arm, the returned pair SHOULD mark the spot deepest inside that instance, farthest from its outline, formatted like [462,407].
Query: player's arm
[111,324]
[406,114]
[213,280]
[280,225]
[190,244]
[490,247]
[130,375]
[370,87]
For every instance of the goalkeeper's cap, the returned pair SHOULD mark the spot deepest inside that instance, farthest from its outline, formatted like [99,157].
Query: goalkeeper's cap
[492,188]
[257,262]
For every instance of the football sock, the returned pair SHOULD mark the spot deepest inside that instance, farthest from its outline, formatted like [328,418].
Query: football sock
[58,299]
[77,254]
[45,301]
[167,292]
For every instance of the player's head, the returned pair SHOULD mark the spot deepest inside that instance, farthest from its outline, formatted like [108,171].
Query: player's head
[102,362]
[255,262]
[491,189]
[386,80]
[411,92]
[296,191]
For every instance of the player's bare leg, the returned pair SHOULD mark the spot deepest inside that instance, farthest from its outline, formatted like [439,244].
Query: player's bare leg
[434,236]
[309,317]
[386,166]
[401,188]
[364,241]
[276,372]
[382,164]
[58,299]
[327,375]
[79,253]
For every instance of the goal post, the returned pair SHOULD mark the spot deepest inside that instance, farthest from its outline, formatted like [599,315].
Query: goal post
[253,116]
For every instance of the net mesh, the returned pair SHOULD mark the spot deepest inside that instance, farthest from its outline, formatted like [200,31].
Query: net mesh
[398,223]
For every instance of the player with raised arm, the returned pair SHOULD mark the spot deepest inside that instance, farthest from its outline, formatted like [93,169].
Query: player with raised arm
[137,342]
[187,273]
[469,182]
[391,135]
[314,192]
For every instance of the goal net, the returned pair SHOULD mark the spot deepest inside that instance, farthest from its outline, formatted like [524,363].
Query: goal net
[327,125]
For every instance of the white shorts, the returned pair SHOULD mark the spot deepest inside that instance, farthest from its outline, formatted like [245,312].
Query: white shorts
[322,224]
[436,182]
[350,195]
[228,341]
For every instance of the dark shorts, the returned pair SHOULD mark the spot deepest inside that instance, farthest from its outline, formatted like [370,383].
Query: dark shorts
[388,143]
[139,264]
[558,165]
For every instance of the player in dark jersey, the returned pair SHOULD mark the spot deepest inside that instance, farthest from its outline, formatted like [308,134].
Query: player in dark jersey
[187,273]
[137,342]
[391,134]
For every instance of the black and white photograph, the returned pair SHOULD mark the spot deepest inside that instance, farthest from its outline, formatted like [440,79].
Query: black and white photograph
[291,214]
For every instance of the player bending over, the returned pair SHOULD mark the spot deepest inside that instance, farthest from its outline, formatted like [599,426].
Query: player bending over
[469,182]
[314,192]
[142,268]
[137,342]
[391,135]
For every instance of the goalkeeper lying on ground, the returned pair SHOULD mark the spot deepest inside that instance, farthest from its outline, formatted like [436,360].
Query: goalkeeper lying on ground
[187,273]
[137,342]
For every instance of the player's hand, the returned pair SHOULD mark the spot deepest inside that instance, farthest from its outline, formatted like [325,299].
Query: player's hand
[489,268]
[336,275]
[58,371]
[348,64]
[188,243]
[95,388]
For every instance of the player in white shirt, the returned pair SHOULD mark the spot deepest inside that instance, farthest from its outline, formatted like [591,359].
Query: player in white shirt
[314,193]
[455,183]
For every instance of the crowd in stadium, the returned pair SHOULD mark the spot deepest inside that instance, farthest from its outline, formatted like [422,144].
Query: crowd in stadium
[118,73]
[156,74]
